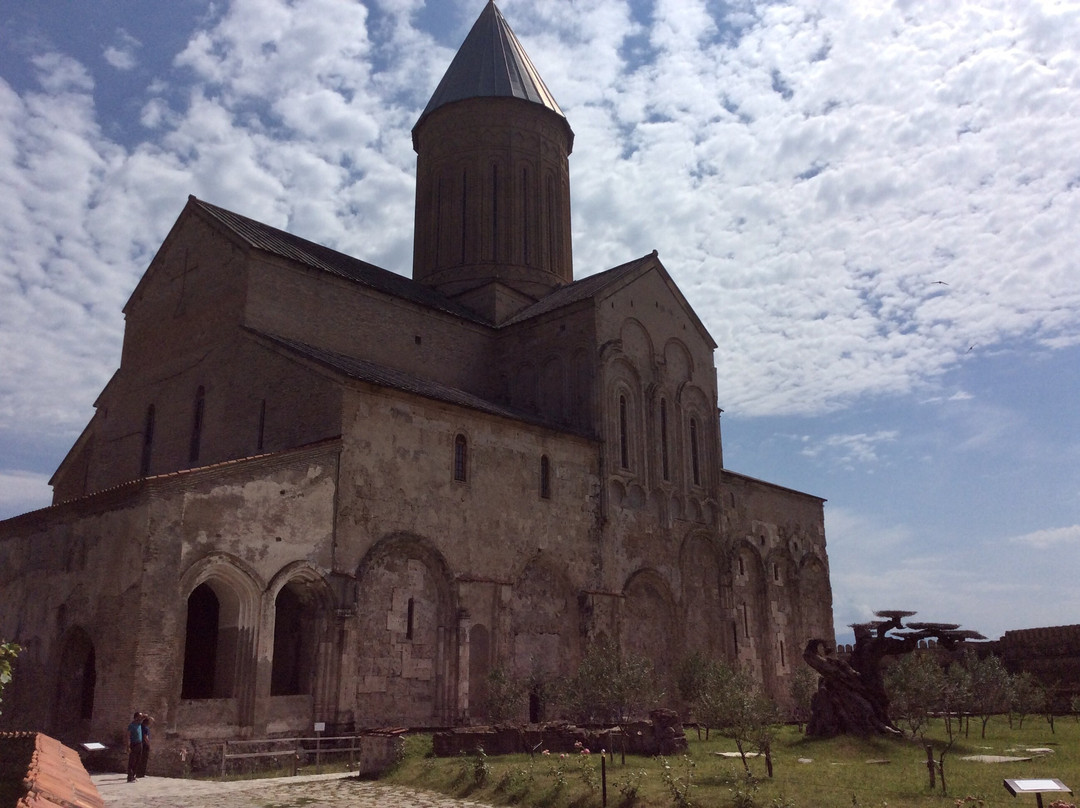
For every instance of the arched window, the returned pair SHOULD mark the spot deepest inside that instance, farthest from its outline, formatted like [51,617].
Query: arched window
[550,229]
[197,424]
[438,221]
[695,465]
[461,449]
[545,477]
[525,216]
[201,645]
[77,679]
[297,631]
[148,442]
[495,211]
[624,434]
[262,426]
[664,467]
[464,213]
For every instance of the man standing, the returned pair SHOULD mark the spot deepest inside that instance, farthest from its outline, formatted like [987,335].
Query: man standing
[144,758]
[135,737]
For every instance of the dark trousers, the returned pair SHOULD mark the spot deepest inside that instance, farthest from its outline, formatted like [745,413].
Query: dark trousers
[134,756]
[144,758]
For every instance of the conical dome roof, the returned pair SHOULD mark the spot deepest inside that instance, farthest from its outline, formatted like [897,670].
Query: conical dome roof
[491,62]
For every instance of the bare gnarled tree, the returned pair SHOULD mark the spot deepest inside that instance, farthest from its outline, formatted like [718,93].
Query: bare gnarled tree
[851,698]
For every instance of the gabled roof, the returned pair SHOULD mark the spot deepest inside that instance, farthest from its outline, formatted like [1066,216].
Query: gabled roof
[603,282]
[286,245]
[491,62]
[384,376]
[580,290]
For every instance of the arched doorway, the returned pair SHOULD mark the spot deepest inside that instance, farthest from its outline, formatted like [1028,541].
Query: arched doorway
[76,682]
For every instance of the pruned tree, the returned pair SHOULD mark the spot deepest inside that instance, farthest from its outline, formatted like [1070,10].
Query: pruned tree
[851,697]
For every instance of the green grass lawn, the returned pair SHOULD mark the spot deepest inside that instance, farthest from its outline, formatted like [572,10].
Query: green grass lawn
[840,773]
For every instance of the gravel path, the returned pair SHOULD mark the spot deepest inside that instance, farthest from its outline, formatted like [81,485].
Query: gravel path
[308,791]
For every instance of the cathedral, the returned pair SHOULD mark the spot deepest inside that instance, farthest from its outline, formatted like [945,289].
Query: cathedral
[319,491]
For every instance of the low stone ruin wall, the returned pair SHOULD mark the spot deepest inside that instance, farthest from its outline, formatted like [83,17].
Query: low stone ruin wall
[662,734]
[184,757]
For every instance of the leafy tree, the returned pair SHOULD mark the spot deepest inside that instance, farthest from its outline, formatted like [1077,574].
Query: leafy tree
[1074,707]
[733,704]
[1026,697]
[692,680]
[8,652]
[505,695]
[914,683]
[608,686]
[804,683]
[991,686]
[956,697]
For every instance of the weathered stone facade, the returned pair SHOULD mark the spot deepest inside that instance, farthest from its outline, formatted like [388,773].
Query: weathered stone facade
[315,490]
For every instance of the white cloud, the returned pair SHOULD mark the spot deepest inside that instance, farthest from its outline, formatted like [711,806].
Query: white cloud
[848,450]
[989,586]
[122,54]
[1050,537]
[805,171]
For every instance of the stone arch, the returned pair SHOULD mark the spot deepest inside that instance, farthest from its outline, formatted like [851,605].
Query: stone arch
[637,345]
[749,593]
[697,437]
[302,603]
[626,423]
[222,598]
[648,626]
[785,642]
[407,634]
[678,363]
[76,681]
[703,613]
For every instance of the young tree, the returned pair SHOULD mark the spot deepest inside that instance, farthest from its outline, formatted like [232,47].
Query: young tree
[956,697]
[914,683]
[804,684]
[733,704]
[692,680]
[505,695]
[990,686]
[608,686]
[1026,697]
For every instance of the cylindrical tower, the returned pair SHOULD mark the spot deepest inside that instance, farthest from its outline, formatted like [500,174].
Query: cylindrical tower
[493,179]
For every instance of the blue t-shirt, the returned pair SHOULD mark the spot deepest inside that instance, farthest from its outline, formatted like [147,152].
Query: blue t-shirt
[135,732]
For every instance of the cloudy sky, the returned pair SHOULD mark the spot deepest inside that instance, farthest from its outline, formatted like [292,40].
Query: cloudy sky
[872,206]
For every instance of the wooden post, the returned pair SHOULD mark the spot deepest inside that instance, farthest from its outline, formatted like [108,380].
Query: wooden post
[224,751]
[930,765]
[603,781]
